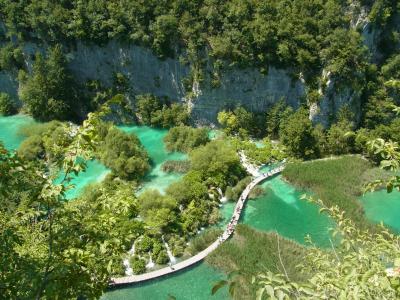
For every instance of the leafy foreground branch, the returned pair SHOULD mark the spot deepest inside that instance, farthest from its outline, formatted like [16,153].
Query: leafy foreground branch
[51,248]
[359,265]
[362,266]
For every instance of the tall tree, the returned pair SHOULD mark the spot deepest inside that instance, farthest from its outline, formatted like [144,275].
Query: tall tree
[297,134]
[50,92]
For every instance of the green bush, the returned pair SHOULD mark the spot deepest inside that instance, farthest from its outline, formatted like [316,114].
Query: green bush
[241,123]
[144,245]
[218,162]
[124,155]
[138,265]
[38,128]
[297,134]
[185,138]
[154,112]
[45,140]
[178,166]
[7,106]
[162,258]
[11,57]
[31,148]
[233,193]
[275,115]
[157,247]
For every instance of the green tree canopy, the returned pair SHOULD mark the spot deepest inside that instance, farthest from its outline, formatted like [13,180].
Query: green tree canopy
[124,154]
[185,138]
[50,92]
[218,163]
[297,135]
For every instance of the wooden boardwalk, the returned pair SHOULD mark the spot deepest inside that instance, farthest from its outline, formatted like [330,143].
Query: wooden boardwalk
[230,228]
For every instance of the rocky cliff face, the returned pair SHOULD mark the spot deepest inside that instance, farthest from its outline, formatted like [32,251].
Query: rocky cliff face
[148,74]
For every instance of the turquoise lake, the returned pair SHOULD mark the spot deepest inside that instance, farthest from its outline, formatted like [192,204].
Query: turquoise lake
[279,208]
[380,206]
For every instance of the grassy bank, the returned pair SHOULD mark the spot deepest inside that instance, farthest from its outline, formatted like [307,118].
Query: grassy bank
[254,251]
[338,181]
[203,240]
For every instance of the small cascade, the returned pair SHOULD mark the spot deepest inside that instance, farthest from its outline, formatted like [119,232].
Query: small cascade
[128,269]
[222,198]
[220,192]
[132,251]
[150,264]
[172,258]
[250,168]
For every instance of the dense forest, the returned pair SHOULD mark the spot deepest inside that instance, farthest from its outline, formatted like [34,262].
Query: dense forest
[52,247]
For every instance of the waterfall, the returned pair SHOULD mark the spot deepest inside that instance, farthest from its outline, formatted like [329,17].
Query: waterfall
[127,265]
[221,195]
[132,251]
[128,269]
[220,192]
[150,264]
[172,258]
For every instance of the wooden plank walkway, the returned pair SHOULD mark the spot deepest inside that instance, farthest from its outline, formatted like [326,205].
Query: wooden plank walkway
[201,255]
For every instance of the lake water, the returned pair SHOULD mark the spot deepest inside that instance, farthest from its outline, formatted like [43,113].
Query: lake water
[279,209]
[380,206]
[152,140]
[9,127]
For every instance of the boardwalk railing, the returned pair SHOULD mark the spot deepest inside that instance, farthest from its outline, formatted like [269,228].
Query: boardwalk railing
[230,228]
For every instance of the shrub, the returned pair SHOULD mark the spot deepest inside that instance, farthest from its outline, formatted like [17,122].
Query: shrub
[124,155]
[31,148]
[138,265]
[154,112]
[233,193]
[38,128]
[297,134]
[178,166]
[162,258]
[218,162]
[185,138]
[144,245]
[238,122]
[157,247]
[50,91]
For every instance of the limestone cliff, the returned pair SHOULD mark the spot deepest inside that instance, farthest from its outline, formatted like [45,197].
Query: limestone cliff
[148,74]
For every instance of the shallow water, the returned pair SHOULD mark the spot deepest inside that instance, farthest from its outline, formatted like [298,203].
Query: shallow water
[152,140]
[9,127]
[380,206]
[281,209]
[95,172]
[191,284]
